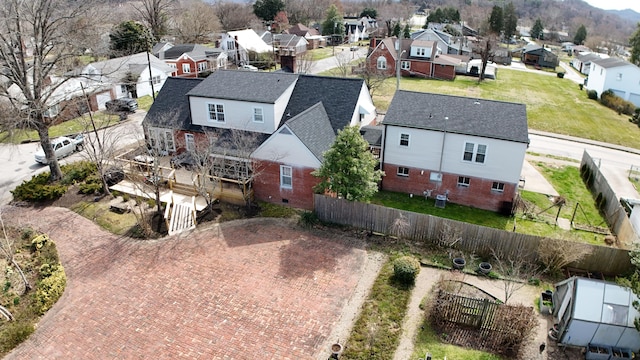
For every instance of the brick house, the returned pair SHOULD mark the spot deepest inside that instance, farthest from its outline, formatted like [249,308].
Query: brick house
[189,60]
[470,151]
[417,58]
[291,118]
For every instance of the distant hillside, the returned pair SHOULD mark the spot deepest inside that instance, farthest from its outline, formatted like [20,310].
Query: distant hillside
[627,14]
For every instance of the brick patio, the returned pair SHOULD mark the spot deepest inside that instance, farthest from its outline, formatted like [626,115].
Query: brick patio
[257,289]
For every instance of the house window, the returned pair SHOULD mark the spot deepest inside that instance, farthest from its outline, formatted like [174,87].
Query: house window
[202,66]
[420,52]
[382,63]
[52,111]
[123,89]
[190,142]
[231,45]
[403,171]
[258,114]
[156,80]
[463,181]
[186,68]
[404,139]
[474,153]
[619,76]
[406,65]
[286,177]
[216,112]
[497,186]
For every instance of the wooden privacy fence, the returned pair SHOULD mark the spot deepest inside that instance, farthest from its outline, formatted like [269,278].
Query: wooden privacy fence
[609,203]
[474,238]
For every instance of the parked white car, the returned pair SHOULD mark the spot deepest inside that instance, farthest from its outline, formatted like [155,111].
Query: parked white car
[63,146]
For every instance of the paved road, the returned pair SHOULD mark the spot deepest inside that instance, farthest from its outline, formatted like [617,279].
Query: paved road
[18,163]
[343,56]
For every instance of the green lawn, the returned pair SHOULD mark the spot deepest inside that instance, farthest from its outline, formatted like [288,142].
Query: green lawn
[553,104]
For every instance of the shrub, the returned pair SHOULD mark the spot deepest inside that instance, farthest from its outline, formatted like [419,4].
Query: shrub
[592,94]
[38,189]
[613,101]
[406,269]
[50,289]
[636,117]
[91,185]
[13,334]
[77,172]
[308,219]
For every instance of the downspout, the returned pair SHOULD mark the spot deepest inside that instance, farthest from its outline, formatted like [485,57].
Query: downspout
[384,147]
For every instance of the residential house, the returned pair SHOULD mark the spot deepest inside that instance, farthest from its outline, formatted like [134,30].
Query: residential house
[189,60]
[618,75]
[357,29]
[313,37]
[129,76]
[582,62]
[286,44]
[467,150]
[291,118]
[238,45]
[420,58]
[534,54]
[447,43]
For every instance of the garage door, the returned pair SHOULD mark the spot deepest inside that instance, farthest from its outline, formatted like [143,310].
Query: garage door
[635,99]
[102,98]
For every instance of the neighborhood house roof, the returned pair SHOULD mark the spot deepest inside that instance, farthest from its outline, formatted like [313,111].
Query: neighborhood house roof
[195,51]
[312,127]
[250,40]
[252,86]
[461,115]
[611,62]
[338,95]
[118,68]
[372,134]
[171,107]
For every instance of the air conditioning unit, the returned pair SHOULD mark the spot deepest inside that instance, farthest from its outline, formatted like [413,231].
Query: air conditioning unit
[436,177]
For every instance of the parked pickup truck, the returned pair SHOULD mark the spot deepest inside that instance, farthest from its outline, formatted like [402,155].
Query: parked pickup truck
[63,146]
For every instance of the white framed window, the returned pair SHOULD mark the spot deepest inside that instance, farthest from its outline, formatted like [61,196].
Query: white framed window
[156,80]
[497,186]
[190,142]
[216,112]
[406,65]
[404,139]
[202,66]
[186,68]
[474,153]
[619,76]
[463,181]
[258,115]
[286,177]
[231,45]
[52,111]
[420,52]
[382,63]
[403,171]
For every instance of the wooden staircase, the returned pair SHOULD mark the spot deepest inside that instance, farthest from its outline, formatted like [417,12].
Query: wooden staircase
[180,216]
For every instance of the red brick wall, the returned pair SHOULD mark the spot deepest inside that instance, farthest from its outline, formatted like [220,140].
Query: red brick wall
[446,72]
[192,65]
[372,64]
[267,188]
[421,67]
[478,194]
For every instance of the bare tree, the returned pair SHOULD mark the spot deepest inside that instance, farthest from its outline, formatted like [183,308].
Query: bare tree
[516,270]
[555,254]
[374,78]
[485,49]
[235,16]
[343,64]
[304,63]
[195,22]
[155,13]
[45,28]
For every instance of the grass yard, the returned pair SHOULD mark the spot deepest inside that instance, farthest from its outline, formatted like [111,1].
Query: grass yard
[553,104]
[427,342]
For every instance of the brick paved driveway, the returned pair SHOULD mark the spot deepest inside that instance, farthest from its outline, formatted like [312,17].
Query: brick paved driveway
[259,289]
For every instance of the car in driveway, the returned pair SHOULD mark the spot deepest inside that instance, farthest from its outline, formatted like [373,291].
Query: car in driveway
[62,146]
[122,105]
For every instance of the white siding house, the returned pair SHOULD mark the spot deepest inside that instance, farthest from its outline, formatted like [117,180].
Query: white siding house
[621,76]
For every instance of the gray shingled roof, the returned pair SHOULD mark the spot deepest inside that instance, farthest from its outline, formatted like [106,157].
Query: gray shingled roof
[195,51]
[372,134]
[468,116]
[611,62]
[242,85]
[313,128]
[339,96]
[171,107]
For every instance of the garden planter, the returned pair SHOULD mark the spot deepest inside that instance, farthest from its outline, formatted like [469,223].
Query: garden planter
[459,263]
[598,352]
[484,268]
[336,349]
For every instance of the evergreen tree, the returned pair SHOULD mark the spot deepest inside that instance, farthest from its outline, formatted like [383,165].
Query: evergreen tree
[406,32]
[634,42]
[581,35]
[128,38]
[267,9]
[510,19]
[396,30]
[370,12]
[332,24]
[537,31]
[348,169]
[495,20]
